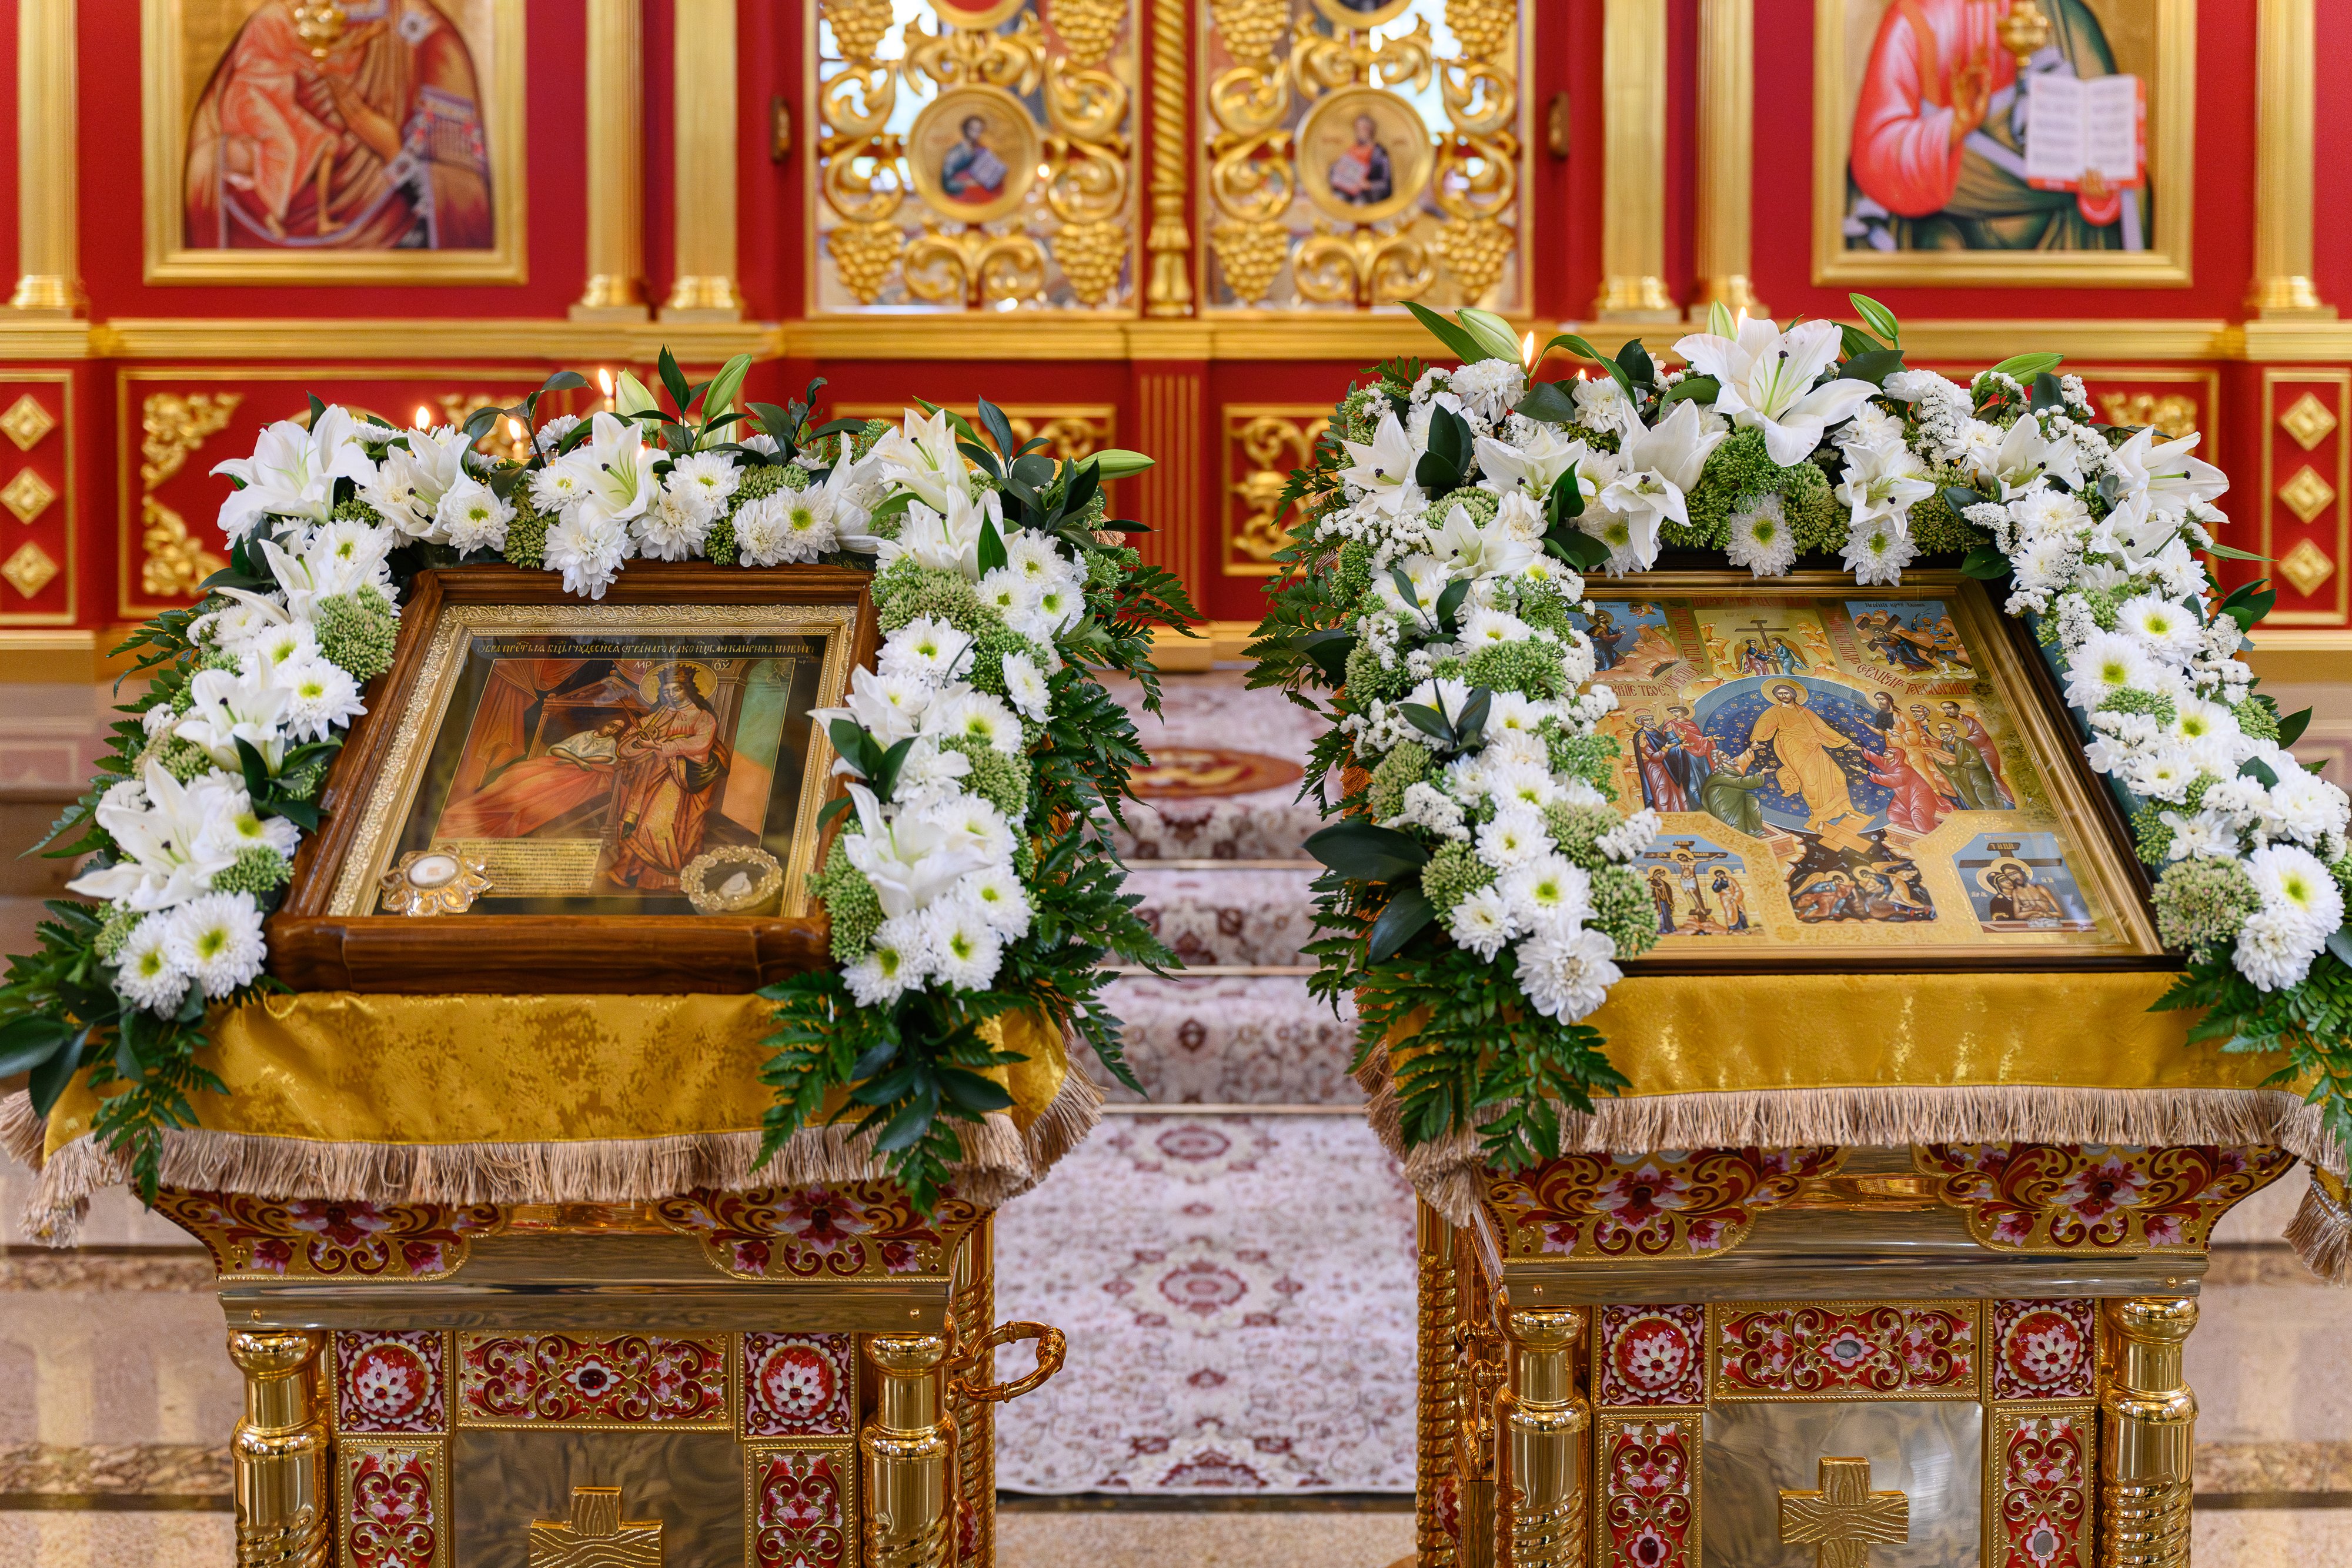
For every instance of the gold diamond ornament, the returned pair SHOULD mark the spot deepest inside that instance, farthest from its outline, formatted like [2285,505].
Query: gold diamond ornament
[27,494]
[2306,566]
[2308,494]
[2309,422]
[26,422]
[29,569]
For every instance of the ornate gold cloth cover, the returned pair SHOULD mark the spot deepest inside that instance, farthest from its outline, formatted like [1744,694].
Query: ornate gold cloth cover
[495,1099]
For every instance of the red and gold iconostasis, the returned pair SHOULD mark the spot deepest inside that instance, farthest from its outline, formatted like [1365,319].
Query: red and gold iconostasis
[1177,225]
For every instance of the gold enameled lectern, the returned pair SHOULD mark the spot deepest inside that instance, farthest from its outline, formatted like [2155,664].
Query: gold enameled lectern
[594,1336]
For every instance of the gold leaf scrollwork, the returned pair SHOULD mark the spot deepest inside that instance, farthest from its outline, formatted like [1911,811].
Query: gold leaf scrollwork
[955,57]
[174,425]
[973,268]
[1087,107]
[1366,267]
[1271,446]
[1321,60]
[862,175]
[175,562]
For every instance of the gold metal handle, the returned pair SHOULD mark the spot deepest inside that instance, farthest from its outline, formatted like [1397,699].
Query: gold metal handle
[1051,1348]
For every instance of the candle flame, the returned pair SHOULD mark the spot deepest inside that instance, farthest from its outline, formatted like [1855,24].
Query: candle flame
[514,428]
[423,417]
[1528,350]
[605,379]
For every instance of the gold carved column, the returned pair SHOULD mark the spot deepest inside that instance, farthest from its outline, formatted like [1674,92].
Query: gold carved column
[281,1455]
[616,165]
[2148,1429]
[1544,1422]
[704,290]
[1727,156]
[1440,1411]
[1634,189]
[2285,68]
[1169,290]
[974,1311]
[907,1446]
[48,266]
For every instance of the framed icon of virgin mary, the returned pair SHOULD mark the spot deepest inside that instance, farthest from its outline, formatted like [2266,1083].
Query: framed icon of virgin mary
[611,796]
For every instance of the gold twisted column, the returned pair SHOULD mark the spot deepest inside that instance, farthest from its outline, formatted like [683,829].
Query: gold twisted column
[1439,1385]
[281,1455]
[975,1419]
[1544,1421]
[48,265]
[2147,1431]
[1169,290]
[908,1446]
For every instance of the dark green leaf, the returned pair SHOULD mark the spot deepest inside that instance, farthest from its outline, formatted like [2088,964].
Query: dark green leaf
[674,378]
[973,1092]
[1366,853]
[1635,360]
[834,808]
[1329,649]
[50,1078]
[26,1042]
[1456,341]
[1873,367]
[1430,722]
[1698,389]
[1000,428]
[2339,942]
[1985,562]
[1566,500]
[1549,403]
[1080,491]
[1407,914]
[1959,498]
[2255,769]
[991,547]
[1449,602]
[1582,349]
[1852,340]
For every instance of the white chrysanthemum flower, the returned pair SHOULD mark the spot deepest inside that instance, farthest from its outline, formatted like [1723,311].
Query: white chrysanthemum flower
[977,715]
[1511,713]
[930,772]
[1034,556]
[889,707]
[563,484]
[1013,597]
[811,526]
[1877,552]
[926,648]
[2307,807]
[899,960]
[146,973]
[1527,784]
[972,825]
[588,551]
[2107,662]
[1025,685]
[2161,625]
[549,437]
[225,833]
[762,535]
[1761,538]
[675,526]
[321,697]
[1481,628]
[229,630]
[1566,974]
[966,951]
[708,476]
[996,892]
[1059,606]
[1489,388]
[1548,891]
[2294,886]
[2274,950]
[1482,923]
[276,646]
[473,516]
[215,941]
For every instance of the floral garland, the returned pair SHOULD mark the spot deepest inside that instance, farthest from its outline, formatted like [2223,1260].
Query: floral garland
[1449,521]
[974,877]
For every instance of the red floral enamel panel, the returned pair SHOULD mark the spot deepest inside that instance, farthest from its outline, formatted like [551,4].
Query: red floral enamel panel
[1878,1349]
[391,1382]
[802,1507]
[2045,1488]
[846,1231]
[798,1385]
[1648,1516]
[1601,1207]
[1646,1355]
[394,1507]
[629,1380]
[2067,1198]
[2042,1350]
[250,1236]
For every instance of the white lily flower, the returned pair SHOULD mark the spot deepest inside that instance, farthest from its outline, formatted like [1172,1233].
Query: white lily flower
[418,470]
[329,562]
[921,456]
[945,540]
[292,472]
[910,862]
[248,706]
[1384,470]
[1882,482]
[1529,467]
[1767,379]
[1628,516]
[2172,478]
[2025,456]
[1675,448]
[168,858]
[621,483]
[1466,549]
[889,707]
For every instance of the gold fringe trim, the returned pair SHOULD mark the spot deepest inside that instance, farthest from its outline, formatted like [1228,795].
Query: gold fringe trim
[1446,1171]
[2320,1231]
[21,1130]
[999,1162]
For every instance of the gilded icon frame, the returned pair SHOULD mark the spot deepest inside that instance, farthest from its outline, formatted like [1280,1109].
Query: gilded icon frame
[334,932]
[2171,159]
[164,109]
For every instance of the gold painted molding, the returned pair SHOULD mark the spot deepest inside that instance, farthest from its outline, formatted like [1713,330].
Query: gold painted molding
[2284,66]
[397,340]
[704,290]
[47,167]
[1633,199]
[616,165]
[1727,156]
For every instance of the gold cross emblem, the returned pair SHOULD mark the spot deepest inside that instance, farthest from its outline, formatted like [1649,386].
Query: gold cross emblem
[597,1536]
[1844,1519]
